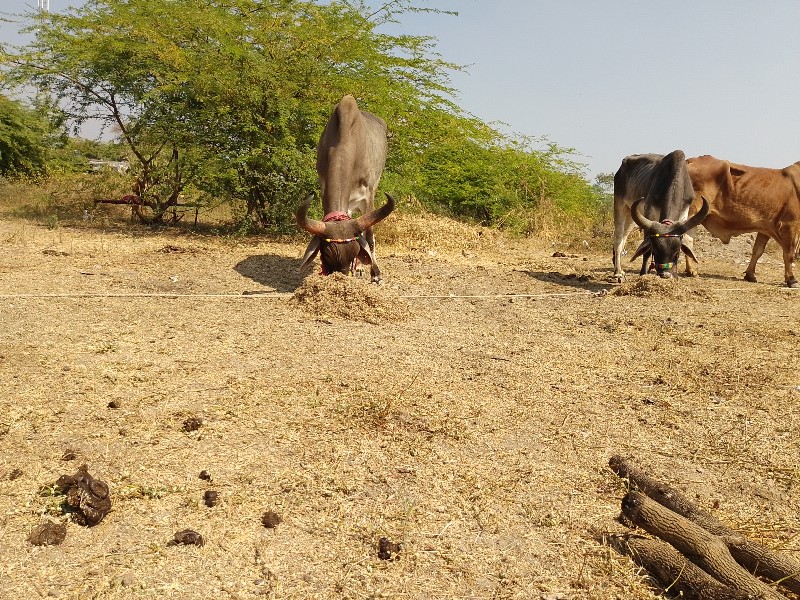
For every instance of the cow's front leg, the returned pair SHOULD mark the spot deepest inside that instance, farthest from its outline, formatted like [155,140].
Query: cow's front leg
[367,255]
[623,225]
[645,263]
[691,264]
[758,250]
[374,271]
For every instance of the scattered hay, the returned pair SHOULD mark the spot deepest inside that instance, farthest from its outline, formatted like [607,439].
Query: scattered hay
[350,298]
[649,287]
[427,231]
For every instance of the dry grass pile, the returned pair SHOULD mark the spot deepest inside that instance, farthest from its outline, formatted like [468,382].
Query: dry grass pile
[350,298]
[433,232]
[650,287]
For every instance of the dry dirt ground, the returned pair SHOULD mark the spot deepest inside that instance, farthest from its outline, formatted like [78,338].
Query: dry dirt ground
[465,410]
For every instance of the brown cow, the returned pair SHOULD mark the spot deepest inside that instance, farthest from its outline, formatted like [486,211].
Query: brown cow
[350,158]
[750,199]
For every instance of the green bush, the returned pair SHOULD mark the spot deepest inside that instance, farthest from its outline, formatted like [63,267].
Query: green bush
[23,139]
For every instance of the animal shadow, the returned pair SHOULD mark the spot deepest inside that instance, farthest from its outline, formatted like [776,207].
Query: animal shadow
[582,282]
[277,272]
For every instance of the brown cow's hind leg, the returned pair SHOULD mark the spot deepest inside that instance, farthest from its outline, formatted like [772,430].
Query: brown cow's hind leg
[790,242]
[788,260]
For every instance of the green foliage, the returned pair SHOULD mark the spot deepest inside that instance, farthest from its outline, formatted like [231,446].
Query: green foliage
[23,139]
[224,100]
[74,153]
[506,182]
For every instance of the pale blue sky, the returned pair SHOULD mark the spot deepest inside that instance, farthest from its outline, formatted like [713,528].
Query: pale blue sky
[617,77]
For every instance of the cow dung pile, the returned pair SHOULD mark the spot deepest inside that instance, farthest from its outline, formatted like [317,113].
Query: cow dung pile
[350,298]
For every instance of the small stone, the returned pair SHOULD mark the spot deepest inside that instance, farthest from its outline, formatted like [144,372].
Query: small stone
[210,498]
[127,580]
[14,474]
[115,404]
[205,475]
[69,455]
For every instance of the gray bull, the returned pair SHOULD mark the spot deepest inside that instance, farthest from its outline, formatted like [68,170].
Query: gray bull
[351,155]
[654,192]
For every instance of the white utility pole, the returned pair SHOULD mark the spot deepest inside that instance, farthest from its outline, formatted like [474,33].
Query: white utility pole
[43,5]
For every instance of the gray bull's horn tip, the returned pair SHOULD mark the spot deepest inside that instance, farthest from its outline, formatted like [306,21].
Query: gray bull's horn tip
[683,226]
[376,216]
[310,225]
[639,218]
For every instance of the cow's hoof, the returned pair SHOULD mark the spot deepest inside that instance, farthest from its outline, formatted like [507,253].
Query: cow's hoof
[377,280]
[750,277]
[692,274]
[794,284]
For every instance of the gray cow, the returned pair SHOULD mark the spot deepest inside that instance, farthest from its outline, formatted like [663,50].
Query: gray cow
[350,158]
[654,192]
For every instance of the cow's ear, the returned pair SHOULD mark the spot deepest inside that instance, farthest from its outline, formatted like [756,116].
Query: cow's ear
[688,252]
[365,254]
[643,247]
[364,257]
[311,252]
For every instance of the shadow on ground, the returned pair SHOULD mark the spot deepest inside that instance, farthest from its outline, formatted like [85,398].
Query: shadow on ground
[277,272]
[590,283]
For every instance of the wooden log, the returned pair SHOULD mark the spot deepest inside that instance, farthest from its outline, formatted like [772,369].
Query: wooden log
[755,557]
[704,549]
[129,199]
[673,571]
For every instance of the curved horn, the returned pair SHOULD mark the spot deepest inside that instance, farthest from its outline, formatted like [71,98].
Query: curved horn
[693,221]
[376,216]
[310,225]
[639,218]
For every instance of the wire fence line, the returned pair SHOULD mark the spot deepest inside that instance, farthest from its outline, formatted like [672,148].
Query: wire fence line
[281,295]
[268,295]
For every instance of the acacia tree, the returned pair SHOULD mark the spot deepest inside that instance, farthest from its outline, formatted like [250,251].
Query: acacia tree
[227,98]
